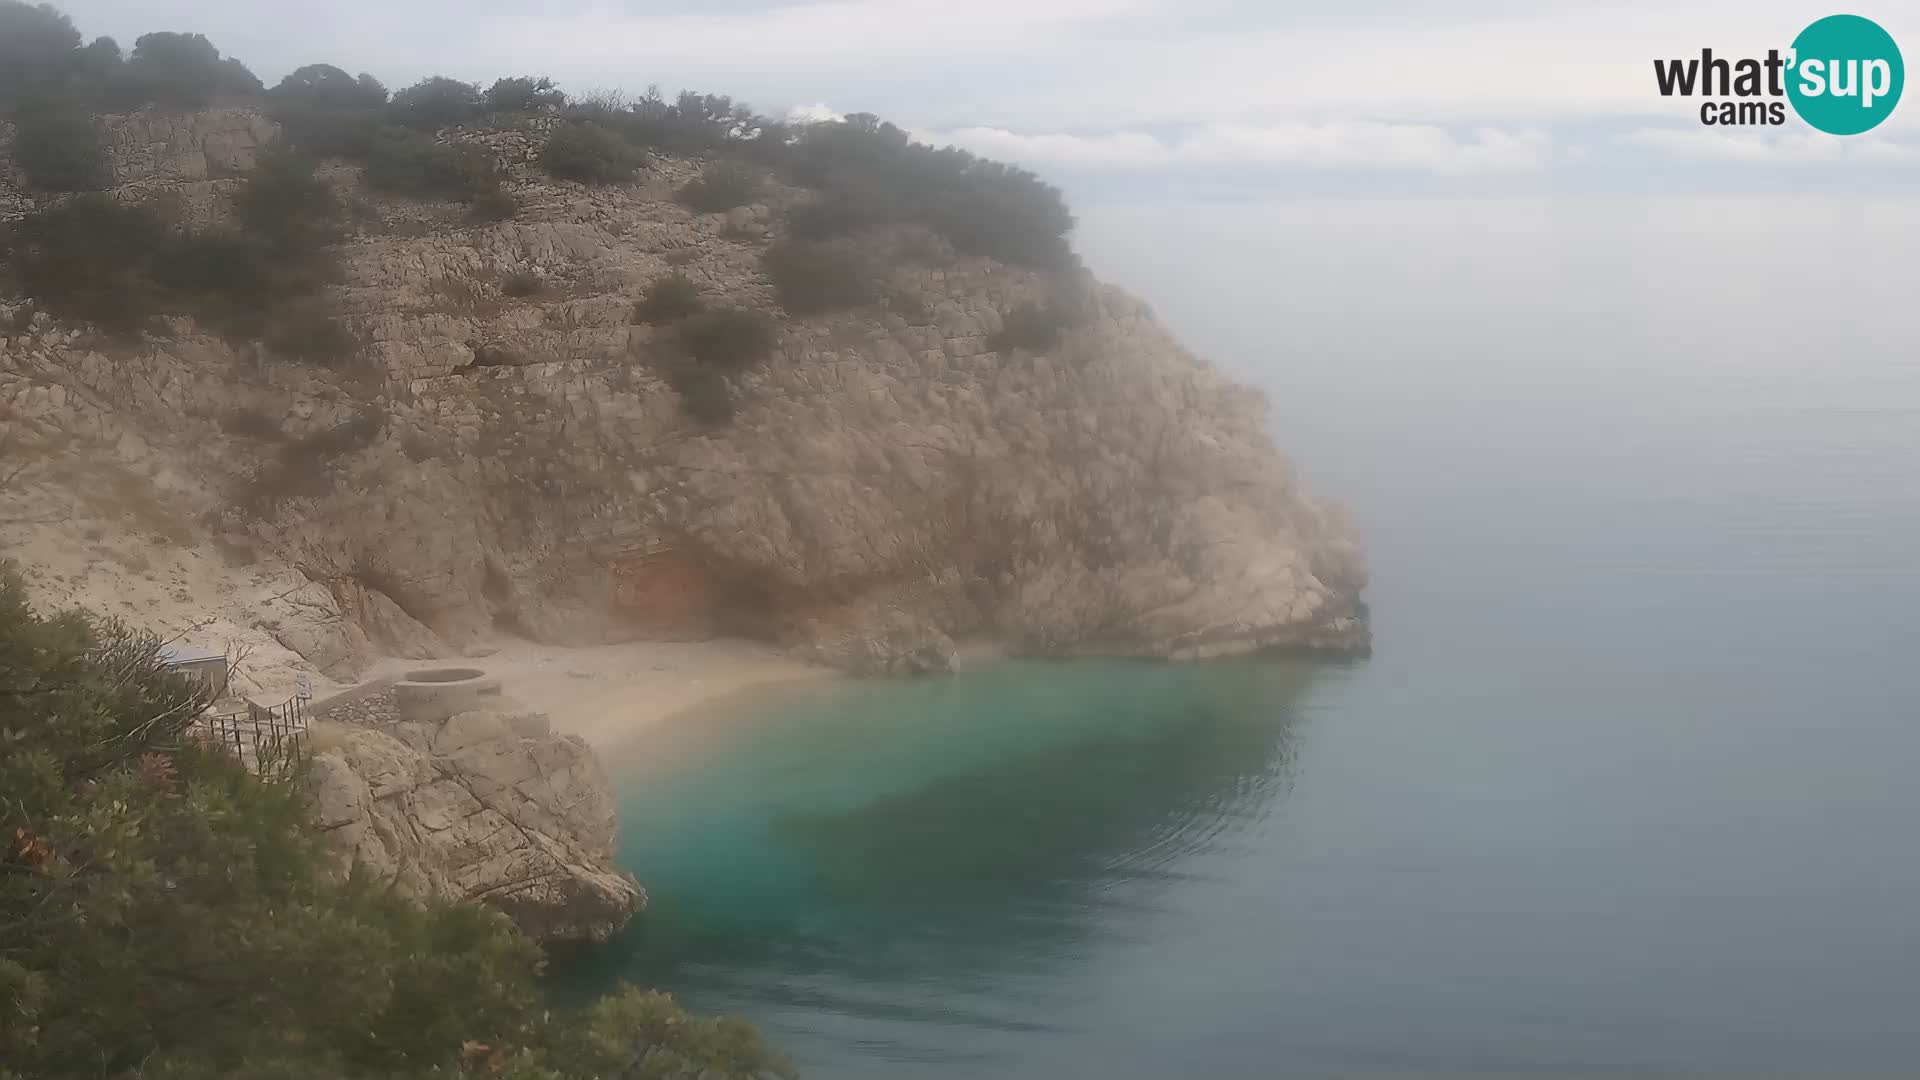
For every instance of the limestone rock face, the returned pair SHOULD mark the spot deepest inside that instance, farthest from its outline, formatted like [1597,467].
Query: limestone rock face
[163,146]
[487,807]
[896,476]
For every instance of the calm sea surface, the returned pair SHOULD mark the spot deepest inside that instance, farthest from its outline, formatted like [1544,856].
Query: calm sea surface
[1630,788]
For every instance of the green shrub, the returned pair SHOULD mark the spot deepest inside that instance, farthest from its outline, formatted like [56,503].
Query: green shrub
[225,279]
[670,298]
[284,204]
[299,470]
[87,261]
[812,279]
[727,339]
[55,143]
[493,204]
[306,333]
[94,260]
[522,283]
[437,102]
[872,173]
[590,154]
[692,125]
[721,186]
[827,217]
[410,163]
[525,94]
[1029,326]
[705,395]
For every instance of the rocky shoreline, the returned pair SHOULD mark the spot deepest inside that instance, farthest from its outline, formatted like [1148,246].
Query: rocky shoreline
[488,805]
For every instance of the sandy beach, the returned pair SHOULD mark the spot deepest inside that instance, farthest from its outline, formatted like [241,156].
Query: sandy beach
[610,694]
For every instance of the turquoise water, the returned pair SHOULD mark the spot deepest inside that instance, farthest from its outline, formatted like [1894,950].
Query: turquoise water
[1628,788]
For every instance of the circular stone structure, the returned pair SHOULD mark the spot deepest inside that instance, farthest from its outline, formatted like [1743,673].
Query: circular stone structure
[432,695]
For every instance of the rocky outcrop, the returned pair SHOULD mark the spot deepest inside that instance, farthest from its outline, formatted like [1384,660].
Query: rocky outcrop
[895,477]
[488,806]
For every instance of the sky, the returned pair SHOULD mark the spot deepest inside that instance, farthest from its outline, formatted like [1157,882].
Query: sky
[1126,101]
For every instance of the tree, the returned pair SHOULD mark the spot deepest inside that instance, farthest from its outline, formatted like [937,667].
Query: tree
[524,94]
[37,43]
[326,85]
[164,911]
[437,102]
[186,71]
[55,143]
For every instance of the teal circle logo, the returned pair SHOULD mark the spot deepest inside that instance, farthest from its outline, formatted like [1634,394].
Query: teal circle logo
[1846,75]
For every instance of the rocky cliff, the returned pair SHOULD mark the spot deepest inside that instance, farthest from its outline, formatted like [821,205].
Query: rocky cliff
[518,463]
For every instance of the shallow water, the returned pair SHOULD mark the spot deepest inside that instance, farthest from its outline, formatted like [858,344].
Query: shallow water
[1627,789]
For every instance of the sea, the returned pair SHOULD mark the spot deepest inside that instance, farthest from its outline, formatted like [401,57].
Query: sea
[1630,786]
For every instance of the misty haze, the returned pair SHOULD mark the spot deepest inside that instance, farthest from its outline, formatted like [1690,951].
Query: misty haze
[1106,538]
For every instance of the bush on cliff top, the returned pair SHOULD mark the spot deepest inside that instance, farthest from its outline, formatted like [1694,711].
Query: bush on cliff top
[184,71]
[590,154]
[871,173]
[166,912]
[436,102]
[524,94]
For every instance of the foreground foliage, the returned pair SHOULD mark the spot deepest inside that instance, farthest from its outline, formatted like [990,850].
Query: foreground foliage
[166,913]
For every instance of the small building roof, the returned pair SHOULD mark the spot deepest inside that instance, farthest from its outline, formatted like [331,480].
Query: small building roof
[175,653]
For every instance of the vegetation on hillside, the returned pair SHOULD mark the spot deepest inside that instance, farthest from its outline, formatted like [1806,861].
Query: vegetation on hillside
[165,912]
[87,258]
[670,298]
[117,266]
[591,154]
[720,186]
